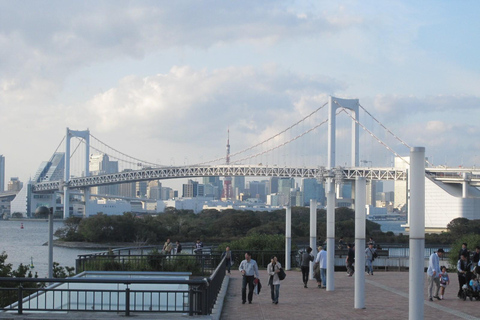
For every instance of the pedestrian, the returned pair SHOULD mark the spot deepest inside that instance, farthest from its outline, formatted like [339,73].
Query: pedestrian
[476,257]
[273,269]
[444,281]
[433,273]
[249,270]
[316,268]
[323,266]
[372,242]
[341,243]
[178,247]
[305,265]
[198,248]
[369,257]
[229,259]
[464,250]
[167,247]
[350,259]
[462,269]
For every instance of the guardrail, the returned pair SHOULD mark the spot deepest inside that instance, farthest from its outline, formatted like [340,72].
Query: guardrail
[128,295]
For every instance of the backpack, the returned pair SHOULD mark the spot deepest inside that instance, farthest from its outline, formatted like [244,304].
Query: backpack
[374,255]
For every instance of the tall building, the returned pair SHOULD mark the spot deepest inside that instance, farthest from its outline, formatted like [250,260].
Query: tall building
[2,173]
[15,184]
[190,190]
[217,187]
[311,189]
[273,185]
[154,190]
[371,193]
[101,164]
[238,187]
[400,187]
[284,187]
[258,189]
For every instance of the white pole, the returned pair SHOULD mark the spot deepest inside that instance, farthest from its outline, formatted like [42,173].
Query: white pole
[313,231]
[330,186]
[360,226]
[66,195]
[417,233]
[50,245]
[288,237]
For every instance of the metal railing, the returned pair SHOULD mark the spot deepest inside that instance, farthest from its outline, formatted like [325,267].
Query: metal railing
[197,264]
[128,295]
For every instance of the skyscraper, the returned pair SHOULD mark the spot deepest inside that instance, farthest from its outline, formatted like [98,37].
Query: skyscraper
[2,173]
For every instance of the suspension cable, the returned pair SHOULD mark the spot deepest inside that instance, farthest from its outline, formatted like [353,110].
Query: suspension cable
[283,144]
[373,135]
[381,124]
[265,141]
[126,155]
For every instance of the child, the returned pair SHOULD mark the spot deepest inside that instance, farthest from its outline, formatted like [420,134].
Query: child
[474,284]
[444,281]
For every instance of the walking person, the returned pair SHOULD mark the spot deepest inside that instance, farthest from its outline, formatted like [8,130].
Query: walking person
[444,281]
[305,265]
[462,269]
[273,269]
[249,270]
[198,248]
[229,259]
[369,258]
[350,259]
[323,266]
[316,268]
[433,273]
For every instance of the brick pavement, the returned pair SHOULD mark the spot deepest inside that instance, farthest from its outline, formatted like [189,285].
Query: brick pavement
[386,297]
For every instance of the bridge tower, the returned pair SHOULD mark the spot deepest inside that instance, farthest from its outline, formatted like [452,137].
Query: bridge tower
[227,183]
[85,135]
[333,105]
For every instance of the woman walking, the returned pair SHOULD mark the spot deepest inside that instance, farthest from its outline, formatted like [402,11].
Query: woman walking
[305,266]
[274,282]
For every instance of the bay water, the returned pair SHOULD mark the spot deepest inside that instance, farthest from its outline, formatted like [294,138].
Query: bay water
[30,244]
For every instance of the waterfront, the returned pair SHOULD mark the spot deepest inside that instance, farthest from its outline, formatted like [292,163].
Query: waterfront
[392,225]
[24,245]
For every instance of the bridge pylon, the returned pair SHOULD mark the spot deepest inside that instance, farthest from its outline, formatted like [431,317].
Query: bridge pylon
[85,135]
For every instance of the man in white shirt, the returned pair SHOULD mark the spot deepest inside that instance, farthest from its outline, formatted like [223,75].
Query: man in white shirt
[322,259]
[433,273]
[249,270]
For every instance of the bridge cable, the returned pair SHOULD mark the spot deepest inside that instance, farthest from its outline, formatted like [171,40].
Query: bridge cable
[126,155]
[59,145]
[373,135]
[283,144]
[267,140]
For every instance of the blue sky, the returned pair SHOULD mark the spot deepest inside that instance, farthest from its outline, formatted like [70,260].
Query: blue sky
[164,80]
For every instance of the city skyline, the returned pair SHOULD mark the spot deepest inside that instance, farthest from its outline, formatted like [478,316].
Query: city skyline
[144,76]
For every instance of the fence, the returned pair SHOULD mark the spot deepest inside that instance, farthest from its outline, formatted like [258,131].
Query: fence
[120,294]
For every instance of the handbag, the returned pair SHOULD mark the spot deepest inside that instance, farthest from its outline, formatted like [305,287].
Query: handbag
[281,274]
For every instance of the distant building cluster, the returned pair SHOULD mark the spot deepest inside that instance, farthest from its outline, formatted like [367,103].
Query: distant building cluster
[265,195]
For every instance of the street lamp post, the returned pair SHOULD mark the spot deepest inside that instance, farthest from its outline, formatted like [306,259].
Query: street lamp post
[42,211]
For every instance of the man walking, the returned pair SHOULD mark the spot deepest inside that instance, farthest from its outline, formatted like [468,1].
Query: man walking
[249,270]
[369,258]
[323,266]
[167,247]
[462,269]
[433,273]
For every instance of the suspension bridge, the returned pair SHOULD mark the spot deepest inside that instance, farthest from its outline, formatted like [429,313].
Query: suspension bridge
[254,161]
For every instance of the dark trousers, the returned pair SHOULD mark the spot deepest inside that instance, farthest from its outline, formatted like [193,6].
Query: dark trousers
[461,281]
[305,271]
[228,264]
[249,280]
[350,269]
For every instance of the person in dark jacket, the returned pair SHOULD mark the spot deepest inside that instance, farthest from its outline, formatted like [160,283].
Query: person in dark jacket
[305,265]
[229,260]
[350,259]
[464,250]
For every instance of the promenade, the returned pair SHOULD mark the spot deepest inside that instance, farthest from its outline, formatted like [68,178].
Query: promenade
[386,297]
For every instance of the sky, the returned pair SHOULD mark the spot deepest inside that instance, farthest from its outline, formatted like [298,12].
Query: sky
[165,80]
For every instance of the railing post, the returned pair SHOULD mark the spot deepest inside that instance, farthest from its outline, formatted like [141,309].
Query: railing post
[205,299]
[127,301]
[191,300]
[20,299]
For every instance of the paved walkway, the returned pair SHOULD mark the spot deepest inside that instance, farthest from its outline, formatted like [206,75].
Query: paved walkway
[386,297]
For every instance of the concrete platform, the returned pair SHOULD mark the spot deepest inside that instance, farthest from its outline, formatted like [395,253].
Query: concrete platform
[386,297]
